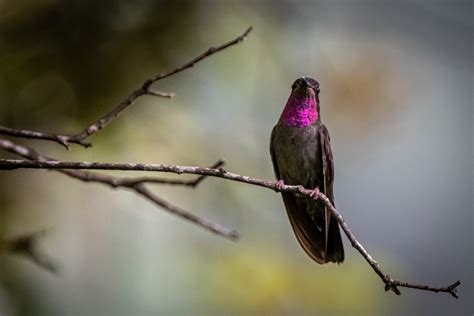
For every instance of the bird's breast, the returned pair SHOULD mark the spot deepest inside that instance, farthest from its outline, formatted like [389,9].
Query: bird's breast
[297,154]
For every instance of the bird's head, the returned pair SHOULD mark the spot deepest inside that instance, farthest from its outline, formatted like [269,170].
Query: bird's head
[305,83]
[305,87]
[302,107]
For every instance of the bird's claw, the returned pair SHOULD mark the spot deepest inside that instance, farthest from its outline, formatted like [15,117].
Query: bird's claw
[279,185]
[315,193]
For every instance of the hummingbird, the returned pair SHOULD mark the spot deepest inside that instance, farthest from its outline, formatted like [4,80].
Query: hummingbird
[301,155]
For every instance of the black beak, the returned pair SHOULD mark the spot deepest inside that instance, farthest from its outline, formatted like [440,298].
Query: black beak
[310,82]
[305,80]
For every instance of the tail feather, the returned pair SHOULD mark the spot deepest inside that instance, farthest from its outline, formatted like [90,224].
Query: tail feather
[312,239]
[335,246]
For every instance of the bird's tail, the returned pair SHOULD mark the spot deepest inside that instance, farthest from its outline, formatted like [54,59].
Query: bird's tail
[335,250]
[311,237]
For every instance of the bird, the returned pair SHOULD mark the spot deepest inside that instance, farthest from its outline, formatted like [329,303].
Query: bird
[301,155]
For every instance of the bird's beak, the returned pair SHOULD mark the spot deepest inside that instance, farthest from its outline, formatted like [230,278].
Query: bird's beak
[305,81]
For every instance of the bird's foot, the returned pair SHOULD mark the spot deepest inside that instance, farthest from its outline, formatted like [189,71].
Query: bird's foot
[279,185]
[315,193]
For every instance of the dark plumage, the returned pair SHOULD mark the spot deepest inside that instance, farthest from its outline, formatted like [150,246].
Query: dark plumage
[301,155]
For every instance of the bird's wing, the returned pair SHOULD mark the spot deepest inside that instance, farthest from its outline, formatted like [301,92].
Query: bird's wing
[327,162]
[328,176]
[334,247]
[272,153]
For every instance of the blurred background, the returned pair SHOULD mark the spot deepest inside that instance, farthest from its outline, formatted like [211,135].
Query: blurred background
[396,80]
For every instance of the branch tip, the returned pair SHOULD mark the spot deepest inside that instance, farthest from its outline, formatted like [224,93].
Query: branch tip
[234,235]
[160,93]
[453,289]
[246,33]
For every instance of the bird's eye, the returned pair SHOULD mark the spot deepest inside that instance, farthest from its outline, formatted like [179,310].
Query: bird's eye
[293,86]
[317,89]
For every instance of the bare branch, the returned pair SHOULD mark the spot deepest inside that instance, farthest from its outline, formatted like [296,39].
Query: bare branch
[144,89]
[390,284]
[26,245]
[117,182]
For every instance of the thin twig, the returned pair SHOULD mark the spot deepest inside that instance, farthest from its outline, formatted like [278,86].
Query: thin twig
[213,227]
[117,182]
[192,62]
[26,245]
[144,89]
[390,284]
[63,140]
[161,94]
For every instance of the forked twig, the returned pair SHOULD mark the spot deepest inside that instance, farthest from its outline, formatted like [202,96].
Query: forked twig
[27,246]
[117,182]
